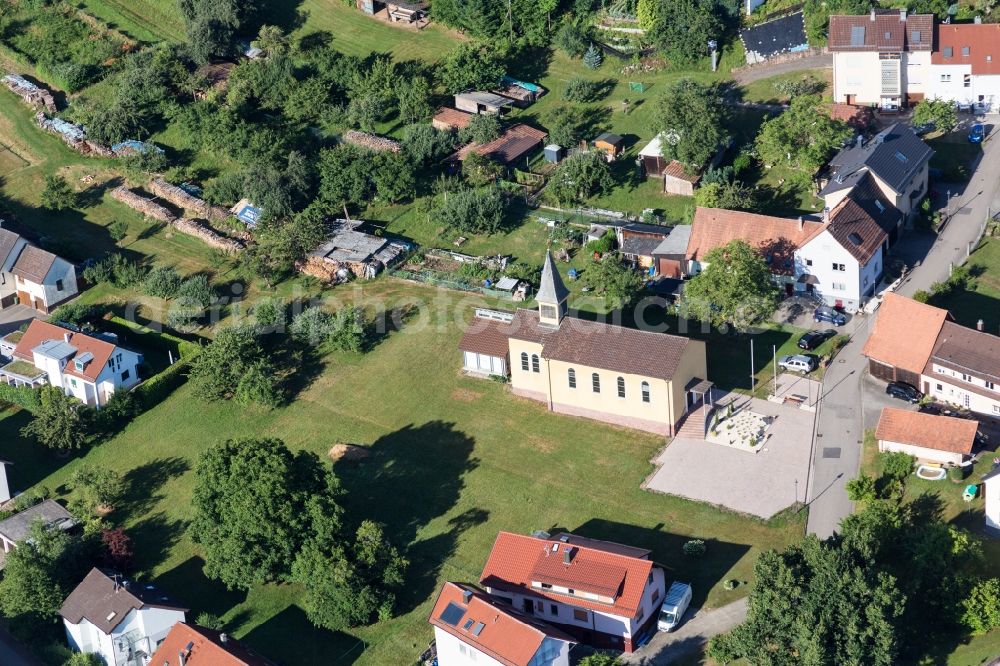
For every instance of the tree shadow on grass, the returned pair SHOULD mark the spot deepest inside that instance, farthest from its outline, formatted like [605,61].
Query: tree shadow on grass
[703,573]
[291,637]
[143,483]
[154,537]
[32,462]
[187,583]
[414,475]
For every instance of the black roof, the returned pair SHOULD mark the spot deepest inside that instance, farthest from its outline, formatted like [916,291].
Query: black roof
[608,137]
[894,155]
[773,37]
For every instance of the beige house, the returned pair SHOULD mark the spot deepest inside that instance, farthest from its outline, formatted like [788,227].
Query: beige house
[638,379]
[939,439]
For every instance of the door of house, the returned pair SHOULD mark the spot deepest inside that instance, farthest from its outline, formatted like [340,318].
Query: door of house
[789,289]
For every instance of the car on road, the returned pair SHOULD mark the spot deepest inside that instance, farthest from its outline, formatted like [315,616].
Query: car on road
[798,363]
[829,315]
[977,133]
[812,339]
[903,391]
[674,604]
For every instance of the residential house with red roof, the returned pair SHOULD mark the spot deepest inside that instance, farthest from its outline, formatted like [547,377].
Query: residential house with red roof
[470,627]
[31,276]
[192,645]
[921,345]
[606,594]
[965,65]
[647,380]
[87,367]
[121,621]
[930,437]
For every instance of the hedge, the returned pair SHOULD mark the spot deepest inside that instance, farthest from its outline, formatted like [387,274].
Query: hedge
[22,396]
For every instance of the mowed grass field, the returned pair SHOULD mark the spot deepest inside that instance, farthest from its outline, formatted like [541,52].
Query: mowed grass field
[453,461]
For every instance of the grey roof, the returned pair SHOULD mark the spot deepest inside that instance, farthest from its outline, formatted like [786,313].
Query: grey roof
[992,474]
[8,239]
[56,349]
[552,289]
[613,139]
[50,512]
[894,155]
[485,98]
[640,246]
[105,599]
[676,242]
[348,244]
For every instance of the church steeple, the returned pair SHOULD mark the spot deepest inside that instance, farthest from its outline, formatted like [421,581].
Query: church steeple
[552,294]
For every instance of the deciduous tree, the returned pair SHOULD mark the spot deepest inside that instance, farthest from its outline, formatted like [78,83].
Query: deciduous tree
[57,194]
[236,366]
[471,66]
[612,279]
[58,423]
[580,177]
[734,288]
[691,118]
[941,112]
[802,137]
[477,211]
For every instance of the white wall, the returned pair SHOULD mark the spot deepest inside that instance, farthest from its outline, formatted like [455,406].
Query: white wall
[954,88]
[493,365]
[847,286]
[453,652]
[991,488]
[857,75]
[945,385]
[933,455]
[47,292]
[4,485]
[153,624]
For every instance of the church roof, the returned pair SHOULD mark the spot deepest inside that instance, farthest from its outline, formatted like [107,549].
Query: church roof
[552,289]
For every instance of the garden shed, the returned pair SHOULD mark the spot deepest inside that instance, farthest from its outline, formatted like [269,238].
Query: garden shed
[448,119]
[554,153]
[612,145]
[931,437]
[676,180]
[516,142]
[358,252]
[481,102]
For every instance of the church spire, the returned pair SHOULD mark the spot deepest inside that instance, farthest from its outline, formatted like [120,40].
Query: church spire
[552,294]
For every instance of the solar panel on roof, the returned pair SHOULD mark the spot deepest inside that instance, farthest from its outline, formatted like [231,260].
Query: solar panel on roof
[857,35]
[468,623]
[451,614]
[478,629]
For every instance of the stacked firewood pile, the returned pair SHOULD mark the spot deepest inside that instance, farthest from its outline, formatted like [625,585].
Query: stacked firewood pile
[371,141]
[200,230]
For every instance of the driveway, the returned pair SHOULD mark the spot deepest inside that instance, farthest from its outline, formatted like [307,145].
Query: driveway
[823,60]
[844,410]
[761,484]
[699,626]
[15,316]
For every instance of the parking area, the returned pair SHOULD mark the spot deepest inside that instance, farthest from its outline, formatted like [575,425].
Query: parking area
[761,483]
[13,317]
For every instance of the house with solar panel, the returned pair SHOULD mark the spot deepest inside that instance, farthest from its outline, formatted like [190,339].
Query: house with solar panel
[32,276]
[87,367]
[471,627]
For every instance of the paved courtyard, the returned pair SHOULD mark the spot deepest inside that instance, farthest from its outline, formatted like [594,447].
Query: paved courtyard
[761,484]
[13,317]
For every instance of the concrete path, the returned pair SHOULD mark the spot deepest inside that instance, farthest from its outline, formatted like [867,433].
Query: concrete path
[698,627]
[823,60]
[13,653]
[840,422]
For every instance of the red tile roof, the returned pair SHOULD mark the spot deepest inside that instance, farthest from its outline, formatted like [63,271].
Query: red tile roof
[859,117]
[515,142]
[40,331]
[517,560]
[675,169]
[507,635]
[207,649]
[904,332]
[774,237]
[485,336]
[453,118]
[930,431]
[882,31]
[983,42]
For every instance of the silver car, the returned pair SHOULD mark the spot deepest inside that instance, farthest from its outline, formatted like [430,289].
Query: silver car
[797,363]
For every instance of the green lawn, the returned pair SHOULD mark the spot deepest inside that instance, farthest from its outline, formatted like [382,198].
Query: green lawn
[142,20]
[454,461]
[981,298]
[763,90]
[954,155]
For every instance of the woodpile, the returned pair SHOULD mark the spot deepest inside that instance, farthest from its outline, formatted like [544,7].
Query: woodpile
[73,135]
[187,201]
[371,141]
[147,207]
[207,235]
[32,94]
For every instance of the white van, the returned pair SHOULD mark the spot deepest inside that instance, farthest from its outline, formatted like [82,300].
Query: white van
[674,606]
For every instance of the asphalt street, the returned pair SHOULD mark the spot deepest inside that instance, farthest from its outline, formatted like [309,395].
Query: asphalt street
[840,420]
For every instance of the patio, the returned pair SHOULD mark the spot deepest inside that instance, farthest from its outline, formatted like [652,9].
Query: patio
[760,485]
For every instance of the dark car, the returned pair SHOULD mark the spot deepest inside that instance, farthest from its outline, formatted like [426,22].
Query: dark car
[903,391]
[813,339]
[828,314]
[926,128]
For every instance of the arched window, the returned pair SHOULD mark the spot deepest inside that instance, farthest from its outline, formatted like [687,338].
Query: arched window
[524,361]
[595,380]
[645,391]
[534,363]
[571,376]
[621,387]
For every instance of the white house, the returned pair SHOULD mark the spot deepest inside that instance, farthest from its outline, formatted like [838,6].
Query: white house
[123,622]
[32,276]
[17,528]
[939,439]
[470,628]
[991,493]
[605,594]
[4,484]
[964,369]
[86,367]
[965,66]
[882,58]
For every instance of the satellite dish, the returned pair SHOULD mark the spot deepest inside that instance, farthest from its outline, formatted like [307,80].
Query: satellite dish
[672,137]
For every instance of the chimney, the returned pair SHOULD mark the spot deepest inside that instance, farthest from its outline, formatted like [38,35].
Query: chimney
[180,658]
[800,223]
[873,15]
[826,215]
[902,14]
[66,337]
[859,141]
[567,555]
[466,597]
[980,325]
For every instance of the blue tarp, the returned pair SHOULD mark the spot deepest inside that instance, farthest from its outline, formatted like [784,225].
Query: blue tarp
[249,215]
[135,146]
[527,86]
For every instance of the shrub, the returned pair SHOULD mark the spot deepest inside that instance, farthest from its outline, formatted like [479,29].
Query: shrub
[694,548]
[897,465]
[80,315]
[118,553]
[97,488]
[861,488]
[582,90]
[572,38]
[807,85]
[311,326]
[347,330]
[982,607]
[210,620]
[604,244]
[162,282]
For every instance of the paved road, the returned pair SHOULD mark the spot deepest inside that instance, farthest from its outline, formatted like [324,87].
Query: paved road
[13,653]
[840,422]
[823,60]
[690,636]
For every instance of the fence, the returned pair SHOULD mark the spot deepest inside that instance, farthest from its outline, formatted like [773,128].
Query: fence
[439,280]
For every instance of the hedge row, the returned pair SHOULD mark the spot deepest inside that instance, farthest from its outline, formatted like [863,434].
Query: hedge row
[22,396]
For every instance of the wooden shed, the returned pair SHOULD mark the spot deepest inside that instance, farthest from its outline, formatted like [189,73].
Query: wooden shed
[610,144]
[676,179]
[477,101]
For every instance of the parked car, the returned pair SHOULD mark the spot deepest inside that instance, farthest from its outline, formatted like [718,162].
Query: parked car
[798,363]
[812,339]
[674,604]
[926,128]
[903,391]
[829,315]
[977,133]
